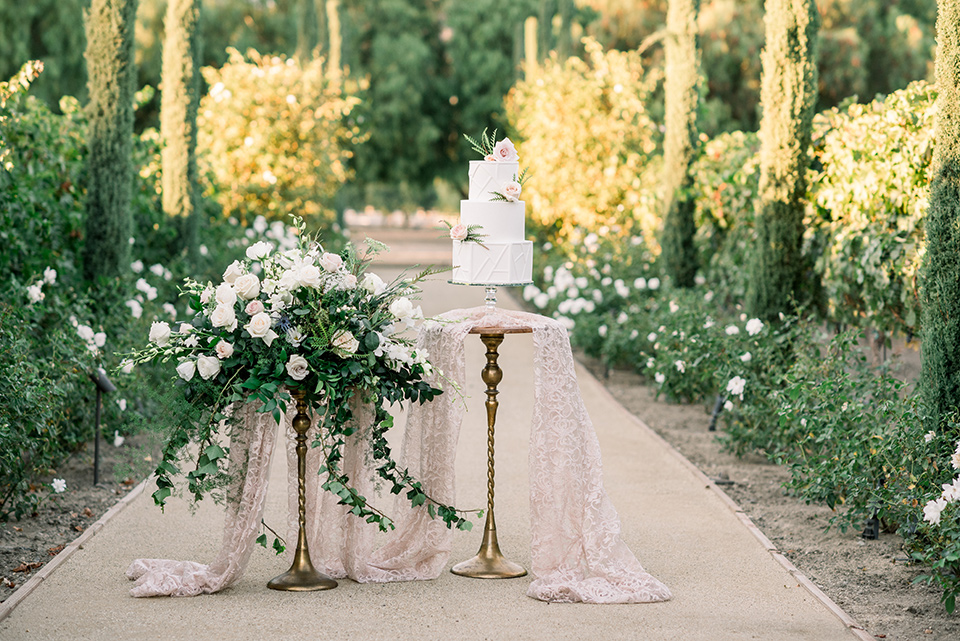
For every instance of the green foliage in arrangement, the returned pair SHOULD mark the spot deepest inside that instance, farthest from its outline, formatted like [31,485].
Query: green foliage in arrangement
[869,200]
[588,126]
[109,55]
[939,290]
[272,137]
[788,96]
[178,117]
[681,92]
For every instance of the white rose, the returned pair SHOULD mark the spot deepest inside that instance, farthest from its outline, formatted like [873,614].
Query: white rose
[159,333]
[349,281]
[136,309]
[754,326]
[208,366]
[259,249]
[373,284]
[401,308]
[186,370]
[233,272]
[247,286]
[330,262]
[289,281]
[86,332]
[224,316]
[224,349]
[126,366]
[297,367]
[259,325]
[345,341]
[309,276]
[226,294]
[505,151]
[100,339]
[49,275]
[512,191]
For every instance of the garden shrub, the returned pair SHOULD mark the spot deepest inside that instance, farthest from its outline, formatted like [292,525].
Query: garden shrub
[587,125]
[868,202]
[272,132]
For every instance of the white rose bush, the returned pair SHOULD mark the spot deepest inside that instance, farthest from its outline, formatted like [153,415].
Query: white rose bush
[284,319]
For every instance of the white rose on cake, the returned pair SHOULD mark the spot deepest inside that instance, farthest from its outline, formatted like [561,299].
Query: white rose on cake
[459,232]
[504,151]
[511,191]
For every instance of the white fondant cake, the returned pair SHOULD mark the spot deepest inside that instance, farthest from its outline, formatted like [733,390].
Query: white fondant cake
[503,256]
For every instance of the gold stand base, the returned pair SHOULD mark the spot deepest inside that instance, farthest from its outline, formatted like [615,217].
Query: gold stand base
[302,576]
[489,562]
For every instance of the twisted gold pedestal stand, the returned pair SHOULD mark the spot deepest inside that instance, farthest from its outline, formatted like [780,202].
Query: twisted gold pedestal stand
[302,576]
[489,563]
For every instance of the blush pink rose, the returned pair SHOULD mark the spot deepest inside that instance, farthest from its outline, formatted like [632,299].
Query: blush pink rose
[512,190]
[330,262]
[458,232]
[254,307]
[505,151]
[490,158]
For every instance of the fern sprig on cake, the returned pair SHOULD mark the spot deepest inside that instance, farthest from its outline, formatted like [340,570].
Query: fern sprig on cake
[466,233]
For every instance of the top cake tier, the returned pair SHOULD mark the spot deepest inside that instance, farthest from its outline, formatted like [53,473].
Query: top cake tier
[489,176]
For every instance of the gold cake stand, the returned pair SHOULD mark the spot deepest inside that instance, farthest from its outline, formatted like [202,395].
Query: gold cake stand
[489,563]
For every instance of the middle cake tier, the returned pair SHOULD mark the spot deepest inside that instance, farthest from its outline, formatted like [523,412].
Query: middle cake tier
[501,222]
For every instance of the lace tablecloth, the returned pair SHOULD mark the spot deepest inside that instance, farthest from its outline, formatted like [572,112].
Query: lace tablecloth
[577,552]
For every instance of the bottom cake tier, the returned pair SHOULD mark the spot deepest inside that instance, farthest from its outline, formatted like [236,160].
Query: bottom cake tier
[493,263]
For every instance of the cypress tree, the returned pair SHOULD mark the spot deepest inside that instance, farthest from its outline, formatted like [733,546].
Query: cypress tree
[308,29]
[179,102]
[545,43]
[111,74]
[681,84]
[334,36]
[788,94]
[940,273]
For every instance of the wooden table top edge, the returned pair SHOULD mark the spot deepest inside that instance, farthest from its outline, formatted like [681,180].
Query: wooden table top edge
[490,331]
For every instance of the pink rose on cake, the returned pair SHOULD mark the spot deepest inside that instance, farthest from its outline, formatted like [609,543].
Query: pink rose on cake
[511,191]
[458,232]
[505,151]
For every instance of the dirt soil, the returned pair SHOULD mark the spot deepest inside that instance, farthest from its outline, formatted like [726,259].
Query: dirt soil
[28,544]
[870,579]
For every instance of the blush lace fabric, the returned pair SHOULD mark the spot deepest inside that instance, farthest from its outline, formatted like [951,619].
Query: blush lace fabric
[578,554]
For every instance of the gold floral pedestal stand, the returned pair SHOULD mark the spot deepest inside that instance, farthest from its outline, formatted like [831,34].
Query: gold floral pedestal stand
[489,563]
[302,576]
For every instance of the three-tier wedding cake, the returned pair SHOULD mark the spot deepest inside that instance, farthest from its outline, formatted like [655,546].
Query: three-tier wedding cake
[489,244]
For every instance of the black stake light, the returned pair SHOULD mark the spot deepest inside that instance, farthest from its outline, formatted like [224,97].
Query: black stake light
[99,378]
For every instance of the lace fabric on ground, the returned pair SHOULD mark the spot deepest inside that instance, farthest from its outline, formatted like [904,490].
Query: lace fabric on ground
[577,552]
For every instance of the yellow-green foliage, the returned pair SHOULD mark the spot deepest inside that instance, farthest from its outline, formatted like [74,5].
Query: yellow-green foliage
[589,141]
[867,205]
[272,132]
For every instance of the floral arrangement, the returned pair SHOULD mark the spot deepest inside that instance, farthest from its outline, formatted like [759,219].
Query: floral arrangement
[305,319]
